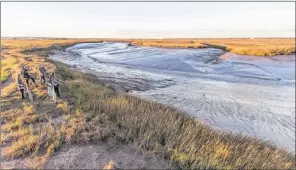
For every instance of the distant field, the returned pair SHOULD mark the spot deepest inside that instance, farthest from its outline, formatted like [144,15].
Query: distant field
[170,43]
[244,46]
[26,43]
[257,47]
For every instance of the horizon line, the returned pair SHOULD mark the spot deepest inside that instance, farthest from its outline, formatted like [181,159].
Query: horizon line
[38,37]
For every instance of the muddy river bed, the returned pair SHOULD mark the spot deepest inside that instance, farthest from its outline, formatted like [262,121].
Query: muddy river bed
[245,94]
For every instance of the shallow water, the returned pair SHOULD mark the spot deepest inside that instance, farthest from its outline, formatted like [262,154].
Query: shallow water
[251,95]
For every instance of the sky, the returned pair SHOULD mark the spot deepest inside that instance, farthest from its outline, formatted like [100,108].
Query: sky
[148,19]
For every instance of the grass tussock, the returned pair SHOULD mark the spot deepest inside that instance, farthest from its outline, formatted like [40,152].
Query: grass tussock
[93,113]
[6,67]
[23,145]
[10,89]
[29,137]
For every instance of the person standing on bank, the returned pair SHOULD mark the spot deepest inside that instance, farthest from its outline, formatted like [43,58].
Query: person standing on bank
[42,73]
[20,85]
[27,76]
[55,82]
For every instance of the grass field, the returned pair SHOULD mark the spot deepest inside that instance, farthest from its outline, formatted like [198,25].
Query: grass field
[257,47]
[244,46]
[89,112]
[170,43]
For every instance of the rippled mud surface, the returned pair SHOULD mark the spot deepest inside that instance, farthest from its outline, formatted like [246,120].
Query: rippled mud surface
[247,94]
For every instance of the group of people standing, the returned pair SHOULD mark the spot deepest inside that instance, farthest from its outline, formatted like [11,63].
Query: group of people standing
[50,80]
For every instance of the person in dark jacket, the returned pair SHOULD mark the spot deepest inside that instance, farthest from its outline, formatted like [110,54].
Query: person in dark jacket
[55,82]
[20,85]
[27,76]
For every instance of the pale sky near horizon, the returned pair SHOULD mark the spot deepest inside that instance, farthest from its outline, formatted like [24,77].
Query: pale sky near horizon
[148,20]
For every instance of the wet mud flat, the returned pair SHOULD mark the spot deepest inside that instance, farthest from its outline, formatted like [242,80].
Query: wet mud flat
[245,94]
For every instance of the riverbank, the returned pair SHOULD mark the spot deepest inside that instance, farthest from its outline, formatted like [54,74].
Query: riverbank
[42,134]
[94,113]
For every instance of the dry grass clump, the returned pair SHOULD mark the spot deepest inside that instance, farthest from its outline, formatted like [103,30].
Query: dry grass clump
[110,165]
[28,136]
[23,145]
[6,67]
[11,88]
